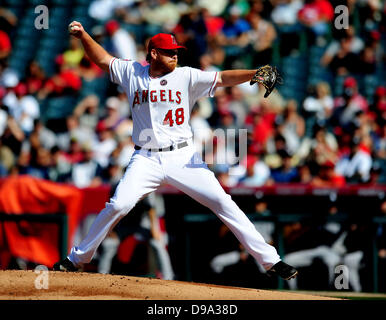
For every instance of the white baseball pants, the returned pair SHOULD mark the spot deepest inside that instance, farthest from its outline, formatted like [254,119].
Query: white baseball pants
[184,169]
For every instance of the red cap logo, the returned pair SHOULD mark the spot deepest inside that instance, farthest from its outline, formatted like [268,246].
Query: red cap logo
[164,41]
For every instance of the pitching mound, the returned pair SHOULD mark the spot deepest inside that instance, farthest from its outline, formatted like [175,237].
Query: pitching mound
[15,284]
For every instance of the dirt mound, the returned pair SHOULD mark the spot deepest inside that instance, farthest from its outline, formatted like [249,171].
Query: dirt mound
[28,285]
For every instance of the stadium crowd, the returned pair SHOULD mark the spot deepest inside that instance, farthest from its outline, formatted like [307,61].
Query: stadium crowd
[330,138]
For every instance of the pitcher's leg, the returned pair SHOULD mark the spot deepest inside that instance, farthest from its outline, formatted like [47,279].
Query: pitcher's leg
[143,175]
[197,181]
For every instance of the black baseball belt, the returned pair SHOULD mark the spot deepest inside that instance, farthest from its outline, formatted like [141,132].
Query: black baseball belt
[170,148]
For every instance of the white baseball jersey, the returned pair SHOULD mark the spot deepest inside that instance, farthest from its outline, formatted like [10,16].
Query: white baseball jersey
[161,106]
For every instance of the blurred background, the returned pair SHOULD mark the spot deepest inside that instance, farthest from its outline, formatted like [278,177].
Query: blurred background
[313,180]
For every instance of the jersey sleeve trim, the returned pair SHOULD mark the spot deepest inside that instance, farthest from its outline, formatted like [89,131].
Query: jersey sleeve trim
[211,90]
[110,71]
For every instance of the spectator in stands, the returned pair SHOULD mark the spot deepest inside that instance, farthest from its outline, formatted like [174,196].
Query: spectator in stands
[238,105]
[373,41]
[191,31]
[286,172]
[34,78]
[103,10]
[292,126]
[113,119]
[356,167]
[105,145]
[316,16]
[235,27]
[327,177]
[60,170]
[75,131]
[122,154]
[86,111]
[261,38]
[74,54]
[324,147]
[161,14]
[263,123]
[5,45]
[88,70]
[320,106]
[367,61]
[13,136]
[64,82]
[8,21]
[9,78]
[75,153]
[214,24]
[113,173]
[47,139]
[122,43]
[344,62]
[348,43]
[3,112]
[124,106]
[234,35]
[34,160]
[206,63]
[347,107]
[257,171]
[305,176]
[228,125]
[370,14]
[23,107]
[131,14]
[86,172]
[379,103]
[380,141]
[274,145]
[7,159]
[284,16]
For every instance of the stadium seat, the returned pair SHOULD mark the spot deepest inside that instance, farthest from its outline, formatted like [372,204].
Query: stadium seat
[61,3]
[82,2]
[80,10]
[9,3]
[38,2]
[60,107]
[370,83]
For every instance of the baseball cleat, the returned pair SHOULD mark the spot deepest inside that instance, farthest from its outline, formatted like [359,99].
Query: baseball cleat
[283,270]
[65,265]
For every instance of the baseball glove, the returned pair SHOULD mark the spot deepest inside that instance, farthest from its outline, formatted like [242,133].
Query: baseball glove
[268,76]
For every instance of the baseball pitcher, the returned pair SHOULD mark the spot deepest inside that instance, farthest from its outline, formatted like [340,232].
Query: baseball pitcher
[161,96]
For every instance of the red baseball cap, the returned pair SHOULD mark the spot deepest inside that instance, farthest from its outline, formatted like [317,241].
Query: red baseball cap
[350,82]
[21,89]
[164,41]
[111,26]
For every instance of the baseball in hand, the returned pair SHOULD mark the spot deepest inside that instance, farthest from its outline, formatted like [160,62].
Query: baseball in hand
[74,29]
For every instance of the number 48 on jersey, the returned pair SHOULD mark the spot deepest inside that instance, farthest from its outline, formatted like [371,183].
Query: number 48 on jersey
[178,116]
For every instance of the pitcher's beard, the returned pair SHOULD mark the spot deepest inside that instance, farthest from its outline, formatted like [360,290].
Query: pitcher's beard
[165,67]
